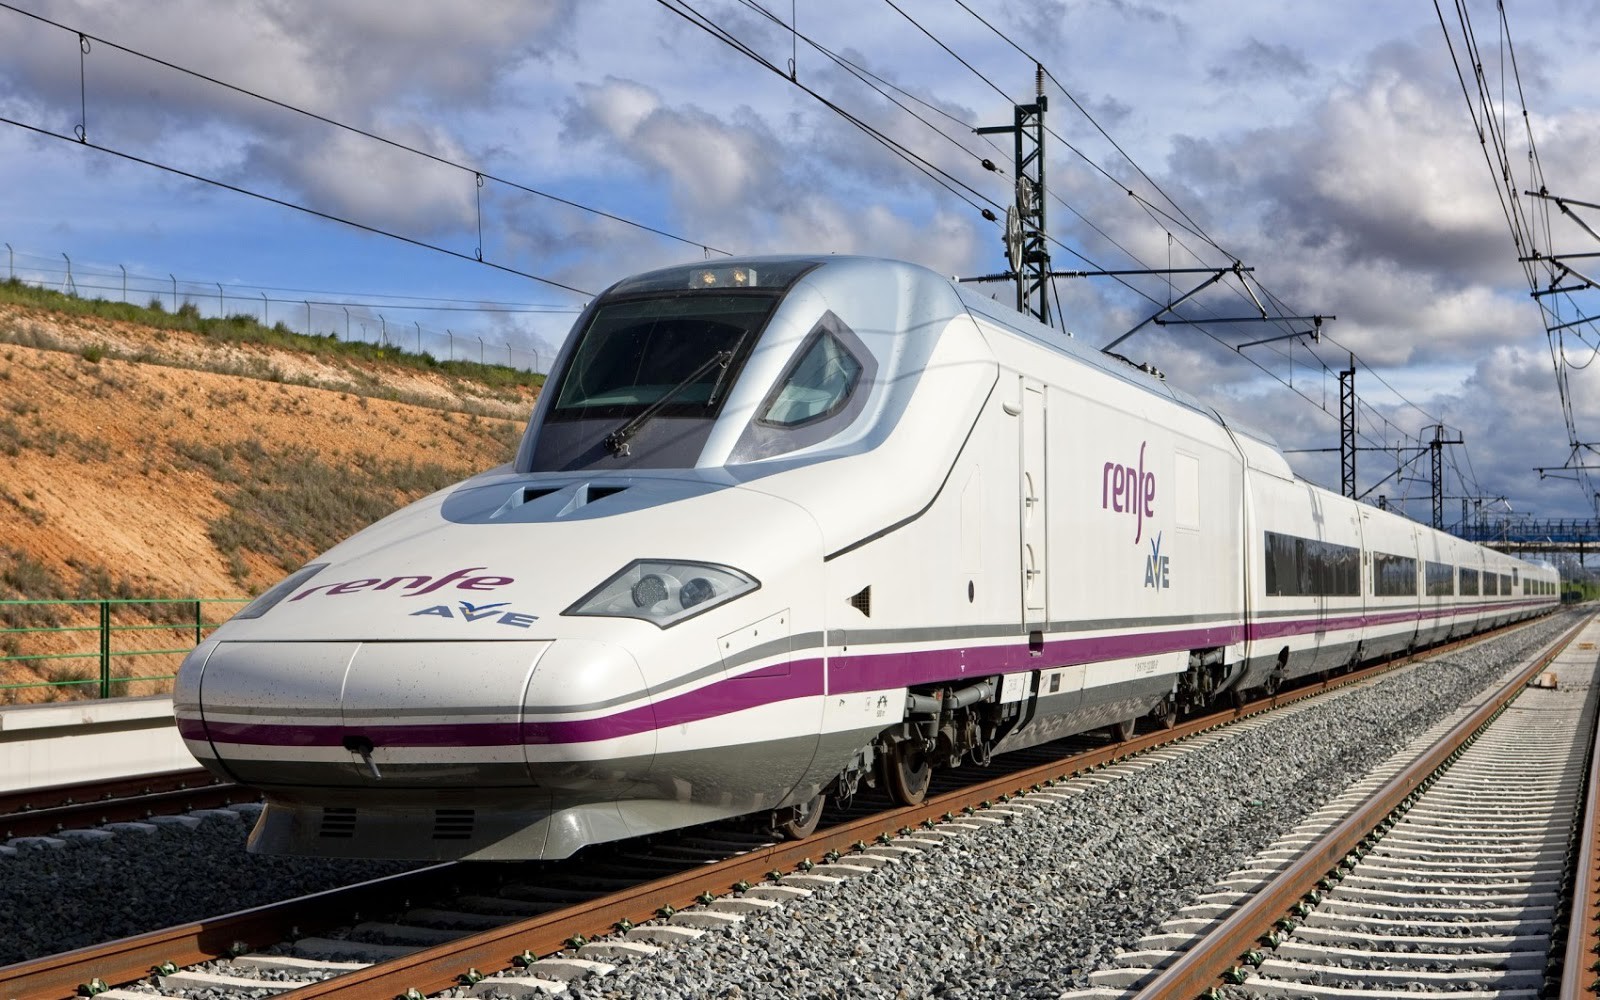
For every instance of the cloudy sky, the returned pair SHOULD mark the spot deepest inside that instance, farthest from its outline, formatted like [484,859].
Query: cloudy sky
[1328,146]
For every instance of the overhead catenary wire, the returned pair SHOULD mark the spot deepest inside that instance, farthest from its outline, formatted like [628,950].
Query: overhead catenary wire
[365,133]
[943,178]
[1182,220]
[878,83]
[285,203]
[1197,230]
[1529,224]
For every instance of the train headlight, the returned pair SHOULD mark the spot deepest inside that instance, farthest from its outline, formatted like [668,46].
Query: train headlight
[664,591]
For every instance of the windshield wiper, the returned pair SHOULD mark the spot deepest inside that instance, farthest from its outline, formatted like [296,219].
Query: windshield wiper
[617,441]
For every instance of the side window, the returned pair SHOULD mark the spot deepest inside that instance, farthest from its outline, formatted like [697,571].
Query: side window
[1393,576]
[1307,567]
[817,385]
[823,390]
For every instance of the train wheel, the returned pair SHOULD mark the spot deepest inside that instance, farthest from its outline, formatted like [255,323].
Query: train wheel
[801,820]
[907,771]
[1122,732]
[1166,713]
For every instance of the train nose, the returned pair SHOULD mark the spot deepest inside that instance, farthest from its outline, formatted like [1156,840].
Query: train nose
[570,715]
[391,714]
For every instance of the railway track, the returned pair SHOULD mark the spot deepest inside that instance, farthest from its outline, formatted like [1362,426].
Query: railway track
[676,888]
[1446,871]
[40,812]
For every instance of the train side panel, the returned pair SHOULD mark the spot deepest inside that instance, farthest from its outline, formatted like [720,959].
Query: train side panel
[1392,578]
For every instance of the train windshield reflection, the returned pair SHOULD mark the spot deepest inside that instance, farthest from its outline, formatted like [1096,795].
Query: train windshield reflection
[636,353]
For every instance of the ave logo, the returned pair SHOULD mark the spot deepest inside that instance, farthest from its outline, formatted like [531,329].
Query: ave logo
[1155,566]
[464,611]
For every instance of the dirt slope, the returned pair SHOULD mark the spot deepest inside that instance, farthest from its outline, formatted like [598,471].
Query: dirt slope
[146,463]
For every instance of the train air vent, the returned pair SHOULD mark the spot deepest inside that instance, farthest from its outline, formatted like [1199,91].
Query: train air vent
[861,600]
[338,822]
[453,824]
[601,492]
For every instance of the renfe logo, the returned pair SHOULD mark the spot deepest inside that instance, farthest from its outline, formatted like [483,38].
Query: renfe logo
[1128,490]
[413,586]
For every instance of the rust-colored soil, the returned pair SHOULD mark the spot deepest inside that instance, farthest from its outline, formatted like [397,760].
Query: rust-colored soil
[117,472]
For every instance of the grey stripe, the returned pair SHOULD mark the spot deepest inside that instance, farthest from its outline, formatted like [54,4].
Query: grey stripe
[1367,610]
[795,643]
[1158,621]
[871,637]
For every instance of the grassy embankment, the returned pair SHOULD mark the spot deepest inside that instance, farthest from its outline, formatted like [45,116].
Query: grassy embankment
[281,501]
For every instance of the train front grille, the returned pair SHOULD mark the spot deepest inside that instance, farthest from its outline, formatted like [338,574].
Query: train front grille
[453,824]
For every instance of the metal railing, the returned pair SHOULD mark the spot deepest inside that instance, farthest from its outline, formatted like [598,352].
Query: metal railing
[82,647]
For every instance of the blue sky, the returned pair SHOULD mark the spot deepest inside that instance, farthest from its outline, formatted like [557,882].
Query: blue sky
[1326,145]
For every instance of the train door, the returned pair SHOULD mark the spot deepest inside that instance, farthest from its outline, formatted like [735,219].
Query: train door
[1035,561]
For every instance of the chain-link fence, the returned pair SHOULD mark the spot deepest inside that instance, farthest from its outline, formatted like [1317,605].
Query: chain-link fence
[394,321]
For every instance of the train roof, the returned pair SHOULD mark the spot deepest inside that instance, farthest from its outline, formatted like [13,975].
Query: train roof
[1112,364]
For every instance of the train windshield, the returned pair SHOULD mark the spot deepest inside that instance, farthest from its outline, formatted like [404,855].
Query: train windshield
[677,353]
[646,375]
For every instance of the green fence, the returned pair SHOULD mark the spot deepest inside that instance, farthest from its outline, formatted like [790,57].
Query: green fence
[88,648]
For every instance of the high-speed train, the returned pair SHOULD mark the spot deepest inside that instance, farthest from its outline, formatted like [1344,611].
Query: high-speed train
[780,527]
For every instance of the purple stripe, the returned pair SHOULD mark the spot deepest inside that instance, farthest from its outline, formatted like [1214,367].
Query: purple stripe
[804,680]
[845,674]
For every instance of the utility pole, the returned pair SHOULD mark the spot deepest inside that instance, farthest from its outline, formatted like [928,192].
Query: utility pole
[1025,221]
[1437,448]
[1347,429]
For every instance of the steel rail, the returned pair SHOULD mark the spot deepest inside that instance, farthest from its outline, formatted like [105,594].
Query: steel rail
[50,796]
[1205,963]
[128,959]
[1577,966]
[436,968]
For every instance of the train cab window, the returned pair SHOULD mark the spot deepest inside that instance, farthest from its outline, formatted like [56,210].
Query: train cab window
[816,386]
[1440,579]
[646,379]
[1393,576]
[636,352]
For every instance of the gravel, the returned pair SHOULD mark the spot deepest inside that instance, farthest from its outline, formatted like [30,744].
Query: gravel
[89,891]
[1024,910]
